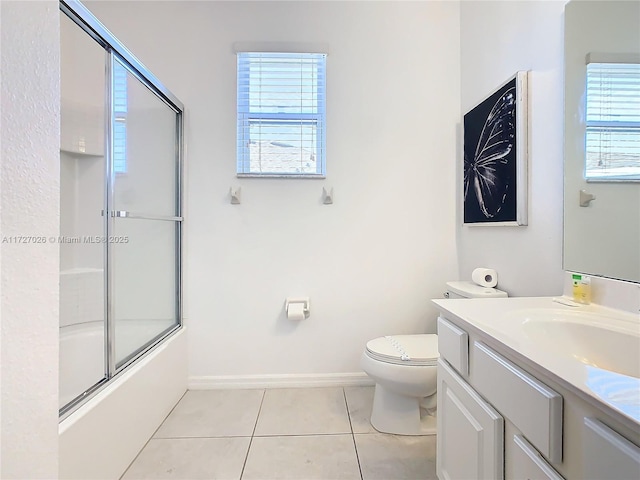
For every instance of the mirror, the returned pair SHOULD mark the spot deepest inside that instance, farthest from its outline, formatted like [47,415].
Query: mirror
[601,218]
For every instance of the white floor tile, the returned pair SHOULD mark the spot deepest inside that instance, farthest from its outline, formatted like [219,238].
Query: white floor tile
[359,404]
[303,411]
[322,457]
[300,434]
[396,457]
[190,459]
[213,413]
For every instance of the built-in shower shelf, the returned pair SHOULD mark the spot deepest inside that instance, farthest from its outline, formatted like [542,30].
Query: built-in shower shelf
[77,153]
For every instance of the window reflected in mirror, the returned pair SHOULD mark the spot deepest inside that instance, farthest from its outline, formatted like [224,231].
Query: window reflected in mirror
[612,133]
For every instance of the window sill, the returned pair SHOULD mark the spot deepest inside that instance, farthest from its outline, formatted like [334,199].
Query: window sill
[282,175]
[614,179]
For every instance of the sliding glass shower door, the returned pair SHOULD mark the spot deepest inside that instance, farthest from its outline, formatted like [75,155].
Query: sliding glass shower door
[120,208]
[82,199]
[146,216]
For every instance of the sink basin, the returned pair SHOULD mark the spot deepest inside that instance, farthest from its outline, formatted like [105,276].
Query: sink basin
[606,342]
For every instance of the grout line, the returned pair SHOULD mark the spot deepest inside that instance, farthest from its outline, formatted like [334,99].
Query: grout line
[190,437]
[271,435]
[344,394]
[170,412]
[153,435]
[255,425]
[265,435]
[353,437]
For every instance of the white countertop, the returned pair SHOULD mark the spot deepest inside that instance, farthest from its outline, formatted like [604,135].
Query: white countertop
[505,320]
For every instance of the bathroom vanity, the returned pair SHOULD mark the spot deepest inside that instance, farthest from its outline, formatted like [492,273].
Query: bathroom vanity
[529,388]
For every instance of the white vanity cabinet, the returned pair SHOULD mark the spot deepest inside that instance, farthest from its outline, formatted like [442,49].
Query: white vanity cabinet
[501,416]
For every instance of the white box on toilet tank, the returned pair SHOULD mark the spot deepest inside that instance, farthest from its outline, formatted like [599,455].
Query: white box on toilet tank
[471,290]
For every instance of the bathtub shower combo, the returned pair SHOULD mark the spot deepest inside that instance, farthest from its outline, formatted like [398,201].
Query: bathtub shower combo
[120,208]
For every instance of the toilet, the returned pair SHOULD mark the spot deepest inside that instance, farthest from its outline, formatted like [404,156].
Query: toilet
[405,371]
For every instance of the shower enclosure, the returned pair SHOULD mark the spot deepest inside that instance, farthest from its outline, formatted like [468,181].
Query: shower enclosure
[120,208]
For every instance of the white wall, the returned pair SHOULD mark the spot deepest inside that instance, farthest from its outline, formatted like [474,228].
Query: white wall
[371,261]
[497,39]
[30,202]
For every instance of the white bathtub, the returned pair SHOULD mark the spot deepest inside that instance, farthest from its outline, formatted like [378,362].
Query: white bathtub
[101,438]
[82,351]
[81,359]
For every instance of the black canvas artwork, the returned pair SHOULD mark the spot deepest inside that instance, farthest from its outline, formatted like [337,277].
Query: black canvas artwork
[491,159]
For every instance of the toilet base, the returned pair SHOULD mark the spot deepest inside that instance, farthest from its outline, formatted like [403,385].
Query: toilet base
[400,414]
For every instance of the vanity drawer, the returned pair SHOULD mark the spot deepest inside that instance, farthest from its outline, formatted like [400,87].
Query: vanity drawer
[453,345]
[534,408]
[528,463]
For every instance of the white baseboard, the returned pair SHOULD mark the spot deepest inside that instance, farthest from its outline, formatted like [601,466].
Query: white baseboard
[279,381]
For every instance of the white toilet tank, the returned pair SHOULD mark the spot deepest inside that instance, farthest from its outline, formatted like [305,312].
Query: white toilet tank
[471,290]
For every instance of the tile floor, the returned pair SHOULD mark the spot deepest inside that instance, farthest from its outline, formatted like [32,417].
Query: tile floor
[293,434]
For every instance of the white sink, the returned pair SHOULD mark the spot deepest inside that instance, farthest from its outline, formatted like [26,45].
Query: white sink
[608,343]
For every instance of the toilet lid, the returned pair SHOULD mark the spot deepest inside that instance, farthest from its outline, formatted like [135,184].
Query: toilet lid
[405,349]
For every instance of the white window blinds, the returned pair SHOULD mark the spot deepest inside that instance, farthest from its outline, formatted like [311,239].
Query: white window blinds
[281,114]
[612,140]
[120,108]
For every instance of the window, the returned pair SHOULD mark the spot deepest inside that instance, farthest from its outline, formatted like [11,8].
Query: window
[281,114]
[612,140]
[120,115]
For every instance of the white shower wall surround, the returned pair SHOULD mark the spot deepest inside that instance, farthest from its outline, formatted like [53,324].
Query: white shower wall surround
[82,297]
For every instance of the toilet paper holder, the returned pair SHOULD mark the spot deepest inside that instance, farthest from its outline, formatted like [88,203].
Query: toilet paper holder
[303,300]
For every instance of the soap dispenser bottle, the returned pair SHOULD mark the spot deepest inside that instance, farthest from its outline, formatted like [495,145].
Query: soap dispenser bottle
[581,288]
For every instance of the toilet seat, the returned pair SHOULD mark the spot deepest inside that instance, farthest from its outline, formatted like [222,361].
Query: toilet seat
[414,350]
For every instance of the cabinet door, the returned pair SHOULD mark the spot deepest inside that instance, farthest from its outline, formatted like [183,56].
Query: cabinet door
[608,454]
[470,431]
[528,463]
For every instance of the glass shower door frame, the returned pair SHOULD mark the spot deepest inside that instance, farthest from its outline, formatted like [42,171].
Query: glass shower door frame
[113,366]
[116,51]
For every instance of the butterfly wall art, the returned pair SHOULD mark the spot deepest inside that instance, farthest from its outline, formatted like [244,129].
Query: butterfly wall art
[495,157]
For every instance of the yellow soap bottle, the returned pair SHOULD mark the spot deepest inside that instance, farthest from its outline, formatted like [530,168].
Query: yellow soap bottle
[581,289]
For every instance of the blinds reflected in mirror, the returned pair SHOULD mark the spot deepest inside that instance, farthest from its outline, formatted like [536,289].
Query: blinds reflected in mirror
[612,138]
